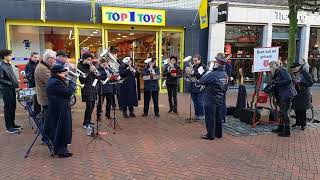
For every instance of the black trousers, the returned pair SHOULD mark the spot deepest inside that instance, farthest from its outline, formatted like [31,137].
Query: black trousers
[9,101]
[125,109]
[284,112]
[214,115]
[172,96]
[155,98]
[301,117]
[109,102]
[47,130]
[88,112]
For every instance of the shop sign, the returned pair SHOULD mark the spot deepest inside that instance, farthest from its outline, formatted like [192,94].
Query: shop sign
[282,16]
[262,58]
[223,12]
[247,39]
[133,16]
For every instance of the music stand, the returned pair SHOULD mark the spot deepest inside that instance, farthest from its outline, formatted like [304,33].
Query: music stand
[113,123]
[96,136]
[189,120]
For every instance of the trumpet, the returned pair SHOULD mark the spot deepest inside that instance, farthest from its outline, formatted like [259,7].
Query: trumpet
[71,73]
[84,75]
[70,79]
[96,72]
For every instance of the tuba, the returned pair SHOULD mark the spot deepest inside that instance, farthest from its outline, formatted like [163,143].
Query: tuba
[113,63]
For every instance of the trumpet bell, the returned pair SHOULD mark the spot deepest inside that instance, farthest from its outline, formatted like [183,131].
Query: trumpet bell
[188,58]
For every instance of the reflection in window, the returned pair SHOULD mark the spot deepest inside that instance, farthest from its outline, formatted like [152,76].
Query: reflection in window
[27,39]
[314,54]
[91,39]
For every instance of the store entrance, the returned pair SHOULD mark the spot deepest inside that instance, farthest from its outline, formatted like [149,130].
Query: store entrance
[283,48]
[138,45]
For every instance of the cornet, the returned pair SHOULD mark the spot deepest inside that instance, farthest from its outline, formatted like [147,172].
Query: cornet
[73,73]
[96,72]
[84,75]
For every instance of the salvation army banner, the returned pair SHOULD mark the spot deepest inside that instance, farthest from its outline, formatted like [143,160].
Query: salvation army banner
[262,58]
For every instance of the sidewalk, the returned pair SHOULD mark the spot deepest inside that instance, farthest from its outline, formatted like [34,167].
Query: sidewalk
[165,148]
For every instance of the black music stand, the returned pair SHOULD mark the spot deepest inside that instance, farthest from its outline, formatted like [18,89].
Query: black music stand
[113,123]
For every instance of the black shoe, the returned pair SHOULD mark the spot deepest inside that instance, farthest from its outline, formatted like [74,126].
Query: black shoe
[108,116]
[99,119]
[157,115]
[206,137]
[66,155]
[144,115]
[12,130]
[303,128]
[295,125]
[170,111]
[279,129]
[285,132]
[17,127]
[125,115]
[132,114]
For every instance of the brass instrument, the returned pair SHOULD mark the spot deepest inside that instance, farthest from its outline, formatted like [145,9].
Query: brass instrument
[71,79]
[96,72]
[189,69]
[112,61]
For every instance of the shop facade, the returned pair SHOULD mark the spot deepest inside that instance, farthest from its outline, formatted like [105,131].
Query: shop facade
[136,32]
[251,26]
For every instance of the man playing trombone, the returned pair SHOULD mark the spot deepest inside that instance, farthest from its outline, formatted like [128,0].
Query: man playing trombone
[88,92]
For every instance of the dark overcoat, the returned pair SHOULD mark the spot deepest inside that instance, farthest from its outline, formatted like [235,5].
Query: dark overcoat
[283,85]
[59,115]
[128,89]
[303,100]
[88,92]
[172,80]
[151,84]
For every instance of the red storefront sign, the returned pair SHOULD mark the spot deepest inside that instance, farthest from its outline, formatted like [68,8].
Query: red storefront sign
[246,39]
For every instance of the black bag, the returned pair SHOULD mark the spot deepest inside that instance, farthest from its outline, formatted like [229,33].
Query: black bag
[246,115]
[230,110]
[242,97]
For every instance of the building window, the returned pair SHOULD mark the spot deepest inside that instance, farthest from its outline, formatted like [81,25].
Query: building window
[240,42]
[27,39]
[314,54]
[91,39]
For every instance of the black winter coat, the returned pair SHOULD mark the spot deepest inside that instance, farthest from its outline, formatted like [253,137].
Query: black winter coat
[151,84]
[88,92]
[7,77]
[60,118]
[303,100]
[172,80]
[104,88]
[128,89]
[29,70]
[283,86]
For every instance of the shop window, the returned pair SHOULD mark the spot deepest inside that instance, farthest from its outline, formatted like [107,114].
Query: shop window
[240,43]
[139,45]
[314,54]
[27,39]
[91,39]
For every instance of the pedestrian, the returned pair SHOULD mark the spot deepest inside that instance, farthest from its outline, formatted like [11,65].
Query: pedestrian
[8,85]
[284,92]
[151,76]
[42,74]
[302,81]
[60,118]
[216,83]
[29,70]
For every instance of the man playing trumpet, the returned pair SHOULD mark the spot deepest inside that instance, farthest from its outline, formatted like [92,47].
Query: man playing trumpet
[151,76]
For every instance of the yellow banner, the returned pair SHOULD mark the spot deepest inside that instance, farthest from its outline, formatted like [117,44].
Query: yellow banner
[43,10]
[133,16]
[203,14]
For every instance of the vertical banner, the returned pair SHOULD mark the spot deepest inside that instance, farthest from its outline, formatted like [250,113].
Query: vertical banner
[43,10]
[93,11]
[203,14]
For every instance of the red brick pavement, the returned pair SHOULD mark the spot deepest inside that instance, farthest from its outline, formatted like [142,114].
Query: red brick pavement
[165,148]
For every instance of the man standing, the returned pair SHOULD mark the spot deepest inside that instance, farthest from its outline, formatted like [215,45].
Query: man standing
[88,92]
[196,94]
[128,89]
[42,74]
[8,84]
[62,57]
[29,70]
[60,119]
[151,76]
[284,92]
[215,83]
[172,73]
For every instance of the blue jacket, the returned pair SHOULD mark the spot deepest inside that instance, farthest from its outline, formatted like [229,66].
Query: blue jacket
[216,85]
[197,75]
[151,83]
[106,88]
[29,70]
[283,86]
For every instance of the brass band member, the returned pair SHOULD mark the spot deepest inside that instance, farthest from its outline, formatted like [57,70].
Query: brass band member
[172,73]
[128,89]
[88,92]
[151,76]
[60,118]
